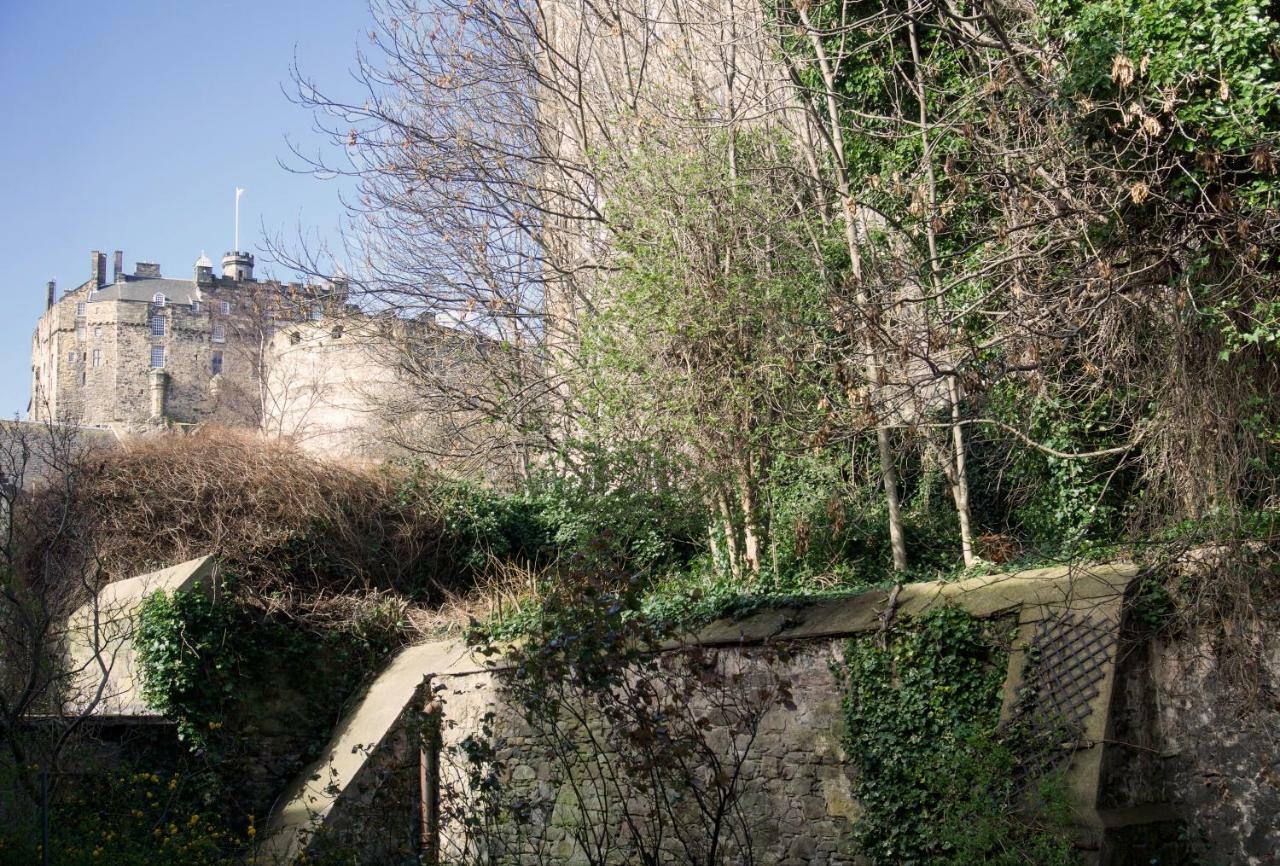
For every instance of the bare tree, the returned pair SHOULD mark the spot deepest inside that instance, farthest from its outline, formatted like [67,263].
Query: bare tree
[47,692]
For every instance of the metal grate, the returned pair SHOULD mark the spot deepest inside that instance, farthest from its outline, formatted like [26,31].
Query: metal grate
[1065,665]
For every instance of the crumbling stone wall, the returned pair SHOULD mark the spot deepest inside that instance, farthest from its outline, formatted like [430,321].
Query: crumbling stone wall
[792,790]
[1170,767]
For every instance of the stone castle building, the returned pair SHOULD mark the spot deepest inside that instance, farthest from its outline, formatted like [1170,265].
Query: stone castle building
[135,352]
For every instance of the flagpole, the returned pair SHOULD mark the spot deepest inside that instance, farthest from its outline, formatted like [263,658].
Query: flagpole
[239,192]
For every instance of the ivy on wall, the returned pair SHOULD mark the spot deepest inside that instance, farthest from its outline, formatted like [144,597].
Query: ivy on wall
[935,777]
[254,698]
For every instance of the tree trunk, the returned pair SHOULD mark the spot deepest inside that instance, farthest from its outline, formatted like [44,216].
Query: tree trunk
[957,477]
[888,473]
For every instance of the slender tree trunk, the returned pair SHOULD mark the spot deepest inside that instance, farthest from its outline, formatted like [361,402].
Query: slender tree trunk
[888,472]
[731,548]
[750,532]
[957,477]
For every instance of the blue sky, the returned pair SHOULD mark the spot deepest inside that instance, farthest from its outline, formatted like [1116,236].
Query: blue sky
[128,125]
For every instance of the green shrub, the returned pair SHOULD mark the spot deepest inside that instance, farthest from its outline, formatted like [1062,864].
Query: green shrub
[131,817]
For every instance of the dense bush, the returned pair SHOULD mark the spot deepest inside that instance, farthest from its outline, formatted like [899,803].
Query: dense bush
[272,514]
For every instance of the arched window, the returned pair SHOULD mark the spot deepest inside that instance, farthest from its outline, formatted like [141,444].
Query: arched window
[158,299]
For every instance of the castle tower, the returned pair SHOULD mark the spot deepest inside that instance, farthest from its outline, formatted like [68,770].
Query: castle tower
[237,265]
[204,271]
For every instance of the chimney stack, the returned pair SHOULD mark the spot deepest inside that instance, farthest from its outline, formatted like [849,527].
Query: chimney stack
[53,294]
[99,273]
[118,270]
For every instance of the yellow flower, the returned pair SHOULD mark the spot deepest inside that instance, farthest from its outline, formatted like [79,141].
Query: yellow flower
[195,819]
[252,831]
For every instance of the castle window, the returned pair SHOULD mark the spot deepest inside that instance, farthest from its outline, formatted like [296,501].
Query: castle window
[83,376]
[217,363]
[71,357]
[81,331]
[81,308]
[97,357]
[226,308]
[157,356]
[157,325]
[195,306]
[97,332]
[158,299]
[219,333]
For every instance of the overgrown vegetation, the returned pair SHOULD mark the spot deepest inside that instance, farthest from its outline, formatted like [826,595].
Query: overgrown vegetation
[134,818]
[826,295]
[254,697]
[937,779]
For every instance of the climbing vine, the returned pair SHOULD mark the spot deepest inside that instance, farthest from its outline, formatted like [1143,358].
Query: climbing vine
[191,650]
[934,775]
[254,698]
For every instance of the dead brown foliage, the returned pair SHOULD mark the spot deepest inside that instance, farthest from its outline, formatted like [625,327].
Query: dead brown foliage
[288,526]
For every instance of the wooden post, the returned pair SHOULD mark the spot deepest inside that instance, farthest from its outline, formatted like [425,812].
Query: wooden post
[429,784]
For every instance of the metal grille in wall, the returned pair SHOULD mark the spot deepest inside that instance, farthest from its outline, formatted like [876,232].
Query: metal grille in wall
[1065,666]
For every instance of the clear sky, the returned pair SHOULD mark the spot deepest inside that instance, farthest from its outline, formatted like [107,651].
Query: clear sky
[127,126]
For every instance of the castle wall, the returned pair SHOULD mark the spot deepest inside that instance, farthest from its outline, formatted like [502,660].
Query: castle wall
[290,360]
[91,365]
[365,387]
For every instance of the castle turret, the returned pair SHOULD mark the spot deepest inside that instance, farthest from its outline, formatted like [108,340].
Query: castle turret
[237,266]
[339,286]
[204,270]
[53,295]
[118,270]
